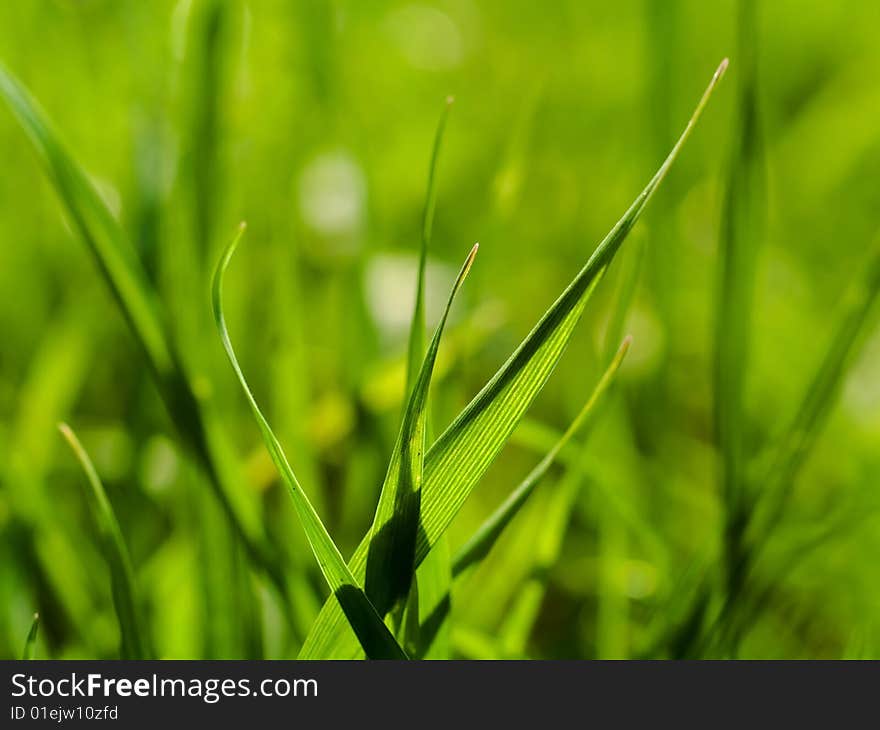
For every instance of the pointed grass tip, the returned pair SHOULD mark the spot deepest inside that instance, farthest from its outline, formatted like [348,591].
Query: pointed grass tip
[450,100]
[722,67]
[470,259]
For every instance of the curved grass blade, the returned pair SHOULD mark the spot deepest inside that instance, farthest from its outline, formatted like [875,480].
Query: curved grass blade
[375,638]
[479,545]
[463,453]
[391,552]
[134,639]
[31,641]
[138,303]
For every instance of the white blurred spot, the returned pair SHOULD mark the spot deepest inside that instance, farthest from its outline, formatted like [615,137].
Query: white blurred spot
[111,449]
[391,291]
[159,465]
[862,391]
[427,37]
[332,194]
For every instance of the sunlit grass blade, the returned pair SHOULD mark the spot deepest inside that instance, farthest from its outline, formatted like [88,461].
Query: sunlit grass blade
[391,553]
[135,644]
[417,329]
[457,461]
[479,545]
[795,444]
[137,301]
[30,642]
[432,580]
[375,638]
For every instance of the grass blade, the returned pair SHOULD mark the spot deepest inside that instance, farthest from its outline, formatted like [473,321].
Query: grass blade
[742,229]
[95,224]
[479,545]
[375,638]
[31,641]
[393,536]
[134,639]
[819,399]
[459,458]
[432,580]
[417,329]
[138,303]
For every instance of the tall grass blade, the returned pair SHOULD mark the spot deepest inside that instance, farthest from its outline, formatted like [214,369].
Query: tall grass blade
[375,638]
[821,395]
[479,545]
[30,642]
[135,644]
[137,301]
[95,224]
[433,578]
[417,329]
[391,552]
[520,618]
[742,229]
[462,454]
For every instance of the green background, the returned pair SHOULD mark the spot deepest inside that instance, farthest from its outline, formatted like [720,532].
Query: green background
[313,121]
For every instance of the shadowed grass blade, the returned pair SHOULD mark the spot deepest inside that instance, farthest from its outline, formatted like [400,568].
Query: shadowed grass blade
[135,644]
[31,640]
[460,457]
[432,579]
[391,553]
[479,545]
[375,638]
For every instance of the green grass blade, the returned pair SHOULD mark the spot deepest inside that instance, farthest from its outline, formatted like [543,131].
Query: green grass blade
[135,644]
[31,640]
[820,397]
[459,458]
[545,549]
[417,332]
[374,636]
[95,223]
[742,230]
[479,545]
[136,299]
[393,536]
[430,634]
[432,580]
[464,452]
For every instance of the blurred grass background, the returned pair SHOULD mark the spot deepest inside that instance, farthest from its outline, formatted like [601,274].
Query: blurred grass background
[313,121]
